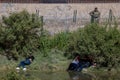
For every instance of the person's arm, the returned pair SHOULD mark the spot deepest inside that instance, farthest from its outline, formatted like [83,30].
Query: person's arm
[91,13]
[30,60]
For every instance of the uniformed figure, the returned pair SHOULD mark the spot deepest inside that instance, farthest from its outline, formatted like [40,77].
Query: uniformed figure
[95,16]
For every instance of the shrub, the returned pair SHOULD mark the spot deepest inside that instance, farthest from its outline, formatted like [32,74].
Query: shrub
[58,41]
[102,42]
[11,75]
[18,34]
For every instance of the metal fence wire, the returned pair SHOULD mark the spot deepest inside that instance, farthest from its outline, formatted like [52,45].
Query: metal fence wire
[59,1]
[64,14]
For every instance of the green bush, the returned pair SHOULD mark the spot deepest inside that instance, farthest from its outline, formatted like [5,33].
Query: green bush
[22,33]
[18,32]
[102,42]
[58,41]
[11,75]
[61,40]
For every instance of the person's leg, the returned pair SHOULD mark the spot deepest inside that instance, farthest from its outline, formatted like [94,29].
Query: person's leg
[81,65]
[92,19]
[86,64]
[72,66]
[80,68]
[75,66]
[22,64]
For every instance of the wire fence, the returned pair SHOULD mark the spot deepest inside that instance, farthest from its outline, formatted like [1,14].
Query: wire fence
[92,1]
[65,15]
[59,1]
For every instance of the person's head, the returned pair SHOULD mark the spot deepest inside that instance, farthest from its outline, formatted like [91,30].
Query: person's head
[31,57]
[96,9]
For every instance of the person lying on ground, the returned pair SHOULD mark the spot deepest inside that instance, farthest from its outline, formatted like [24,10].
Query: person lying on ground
[74,64]
[79,63]
[86,62]
[25,62]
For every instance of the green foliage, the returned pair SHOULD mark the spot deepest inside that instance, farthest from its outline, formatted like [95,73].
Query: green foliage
[58,41]
[61,40]
[18,34]
[102,42]
[13,75]
[44,44]
[22,33]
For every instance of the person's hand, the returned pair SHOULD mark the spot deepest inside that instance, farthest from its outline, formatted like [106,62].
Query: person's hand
[30,60]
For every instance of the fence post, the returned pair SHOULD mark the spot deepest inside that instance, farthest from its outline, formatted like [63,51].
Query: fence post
[41,19]
[37,14]
[110,19]
[74,16]
[110,15]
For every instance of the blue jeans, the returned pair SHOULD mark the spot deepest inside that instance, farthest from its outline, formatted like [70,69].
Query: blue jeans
[24,63]
[83,65]
[73,67]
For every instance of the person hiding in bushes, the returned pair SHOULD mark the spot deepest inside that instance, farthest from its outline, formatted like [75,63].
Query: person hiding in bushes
[74,64]
[79,63]
[25,62]
[85,62]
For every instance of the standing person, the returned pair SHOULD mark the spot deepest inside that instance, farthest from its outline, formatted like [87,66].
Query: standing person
[95,16]
[74,64]
[25,62]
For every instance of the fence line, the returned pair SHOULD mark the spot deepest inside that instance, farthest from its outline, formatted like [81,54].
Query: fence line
[59,1]
[64,14]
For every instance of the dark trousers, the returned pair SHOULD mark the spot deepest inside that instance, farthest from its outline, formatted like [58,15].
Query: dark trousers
[83,65]
[72,67]
[24,63]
